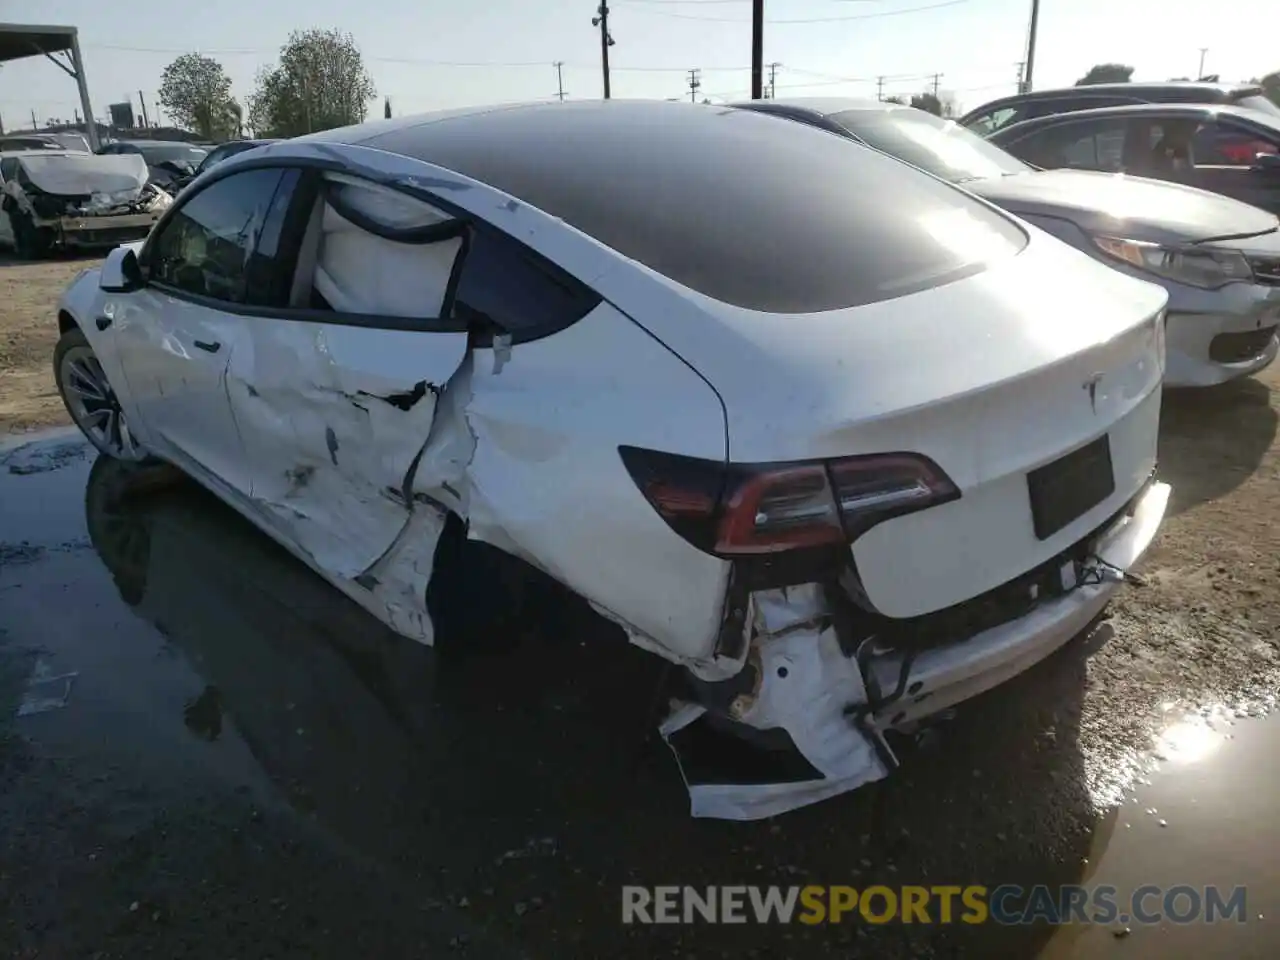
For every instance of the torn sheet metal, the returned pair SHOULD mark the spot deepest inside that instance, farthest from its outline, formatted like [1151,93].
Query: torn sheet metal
[546,483]
[333,419]
[805,686]
[398,580]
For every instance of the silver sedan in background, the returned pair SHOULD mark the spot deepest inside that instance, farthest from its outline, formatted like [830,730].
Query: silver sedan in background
[1218,258]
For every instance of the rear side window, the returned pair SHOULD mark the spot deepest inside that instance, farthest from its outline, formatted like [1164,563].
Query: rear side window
[1222,144]
[993,120]
[505,288]
[1095,145]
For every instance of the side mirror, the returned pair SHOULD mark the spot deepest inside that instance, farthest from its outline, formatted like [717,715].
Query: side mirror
[1268,163]
[121,272]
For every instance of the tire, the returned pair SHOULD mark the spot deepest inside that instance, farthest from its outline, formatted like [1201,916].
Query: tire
[29,241]
[90,399]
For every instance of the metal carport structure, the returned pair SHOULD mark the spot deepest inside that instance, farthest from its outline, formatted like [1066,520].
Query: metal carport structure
[21,40]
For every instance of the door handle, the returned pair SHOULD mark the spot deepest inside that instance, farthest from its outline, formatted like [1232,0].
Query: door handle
[208,347]
[103,322]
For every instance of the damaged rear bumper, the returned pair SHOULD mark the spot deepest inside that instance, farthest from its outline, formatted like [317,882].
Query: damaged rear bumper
[831,709]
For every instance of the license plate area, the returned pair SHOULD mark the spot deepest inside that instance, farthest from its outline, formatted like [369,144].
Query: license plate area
[1069,487]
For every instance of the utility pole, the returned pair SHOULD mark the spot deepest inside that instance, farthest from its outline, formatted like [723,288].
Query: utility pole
[34,126]
[879,88]
[694,84]
[773,80]
[757,49]
[145,121]
[1031,45]
[559,65]
[1200,72]
[936,78]
[1021,66]
[601,20]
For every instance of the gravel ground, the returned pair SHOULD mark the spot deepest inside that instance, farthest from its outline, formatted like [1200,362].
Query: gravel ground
[28,330]
[265,772]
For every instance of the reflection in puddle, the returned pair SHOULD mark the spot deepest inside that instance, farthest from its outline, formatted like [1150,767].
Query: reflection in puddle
[1188,740]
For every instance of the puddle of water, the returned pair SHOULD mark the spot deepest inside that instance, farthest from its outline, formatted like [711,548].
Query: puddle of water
[39,480]
[1206,818]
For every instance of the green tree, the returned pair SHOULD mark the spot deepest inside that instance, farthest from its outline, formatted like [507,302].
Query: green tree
[927,102]
[1106,73]
[196,92]
[320,83]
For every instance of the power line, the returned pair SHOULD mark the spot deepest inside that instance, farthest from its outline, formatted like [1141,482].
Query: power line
[840,19]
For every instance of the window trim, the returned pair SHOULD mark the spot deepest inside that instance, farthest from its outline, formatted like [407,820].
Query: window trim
[313,169]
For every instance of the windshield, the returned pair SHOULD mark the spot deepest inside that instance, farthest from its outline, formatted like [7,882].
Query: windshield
[942,147]
[1256,101]
[171,153]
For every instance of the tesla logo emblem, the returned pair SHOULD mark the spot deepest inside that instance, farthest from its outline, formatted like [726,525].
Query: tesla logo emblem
[1092,386]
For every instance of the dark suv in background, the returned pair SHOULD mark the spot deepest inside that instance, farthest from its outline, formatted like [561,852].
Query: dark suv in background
[993,116]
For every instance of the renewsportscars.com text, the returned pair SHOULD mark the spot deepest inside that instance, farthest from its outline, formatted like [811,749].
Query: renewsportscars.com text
[1007,904]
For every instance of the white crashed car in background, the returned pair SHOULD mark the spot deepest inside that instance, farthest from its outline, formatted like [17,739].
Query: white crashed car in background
[74,200]
[845,443]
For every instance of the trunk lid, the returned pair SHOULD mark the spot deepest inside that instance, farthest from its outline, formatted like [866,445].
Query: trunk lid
[992,377]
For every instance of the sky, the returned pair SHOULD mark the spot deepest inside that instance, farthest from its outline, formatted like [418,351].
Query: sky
[433,54]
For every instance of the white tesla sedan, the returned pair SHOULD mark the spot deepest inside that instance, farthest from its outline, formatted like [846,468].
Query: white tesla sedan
[845,443]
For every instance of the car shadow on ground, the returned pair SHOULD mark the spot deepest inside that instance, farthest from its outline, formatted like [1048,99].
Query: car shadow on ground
[518,779]
[1212,440]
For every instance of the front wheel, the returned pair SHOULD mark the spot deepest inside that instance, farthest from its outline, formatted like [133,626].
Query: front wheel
[89,398]
[29,241]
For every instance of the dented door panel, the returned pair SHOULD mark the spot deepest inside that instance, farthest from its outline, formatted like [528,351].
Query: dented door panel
[546,481]
[333,418]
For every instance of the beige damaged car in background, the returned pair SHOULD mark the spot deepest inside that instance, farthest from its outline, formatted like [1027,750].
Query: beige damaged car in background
[72,200]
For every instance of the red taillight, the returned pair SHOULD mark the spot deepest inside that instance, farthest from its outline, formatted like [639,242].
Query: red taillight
[749,509]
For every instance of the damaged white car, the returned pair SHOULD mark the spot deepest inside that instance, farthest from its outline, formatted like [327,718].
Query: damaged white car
[73,200]
[843,442]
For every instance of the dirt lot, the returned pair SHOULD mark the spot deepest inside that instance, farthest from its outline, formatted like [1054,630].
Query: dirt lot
[28,330]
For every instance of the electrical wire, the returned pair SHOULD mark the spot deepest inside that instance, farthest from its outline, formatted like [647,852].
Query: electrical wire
[839,19]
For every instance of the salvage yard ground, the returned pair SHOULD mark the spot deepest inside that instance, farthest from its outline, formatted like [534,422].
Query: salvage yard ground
[28,330]
[1009,792]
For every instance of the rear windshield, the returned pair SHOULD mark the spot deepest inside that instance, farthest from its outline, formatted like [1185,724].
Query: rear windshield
[942,147]
[751,210]
[1256,101]
[171,153]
